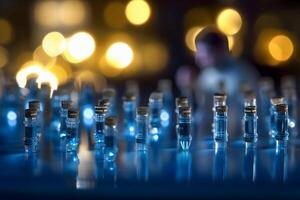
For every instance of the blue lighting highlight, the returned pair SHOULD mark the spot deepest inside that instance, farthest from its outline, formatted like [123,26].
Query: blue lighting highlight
[88,116]
[11,118]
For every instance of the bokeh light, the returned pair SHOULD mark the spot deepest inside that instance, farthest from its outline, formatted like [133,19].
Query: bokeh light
[54,43]
[229,21]
[60,13]
[114,14]
[40,56]
[191,36]
[138,12]
[119,55]
[155,57]
[6,31]
[3,56]
[80,46]
[47,77]
[61,73]
[230,39]
[281,48]
[28,69]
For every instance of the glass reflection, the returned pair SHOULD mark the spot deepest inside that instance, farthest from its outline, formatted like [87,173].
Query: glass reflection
[183,166]
[142,170]
[249,163]
[220,162]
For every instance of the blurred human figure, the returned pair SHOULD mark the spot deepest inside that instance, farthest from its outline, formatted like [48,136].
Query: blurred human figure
[220,72]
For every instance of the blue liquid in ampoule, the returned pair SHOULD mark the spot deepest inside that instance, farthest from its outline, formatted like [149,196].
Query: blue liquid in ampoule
[250,124]
[110,138]
[30,138]
[183,128]
[220,124]
[155,107]
[281,125]
[274,101]
[129,108]
[219,100]
[64,106]
[142,128]
[36,105]
[100,114]
[72,137]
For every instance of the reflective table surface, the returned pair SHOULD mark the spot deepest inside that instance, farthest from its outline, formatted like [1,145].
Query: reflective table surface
[163,171]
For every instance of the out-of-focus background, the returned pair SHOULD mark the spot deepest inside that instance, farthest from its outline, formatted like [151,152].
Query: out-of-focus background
[145,40]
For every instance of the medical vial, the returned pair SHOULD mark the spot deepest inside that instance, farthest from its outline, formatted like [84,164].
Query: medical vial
[72,136]
[219,99]
[183,127]
[65,105]
[220,124]
[129,109]
[155,107]
[250,124]
[110,94]
[110,138]
[30,137]
[274,101]
[36,105]
[281,123]
[180,102]
[100,114]
[142,128]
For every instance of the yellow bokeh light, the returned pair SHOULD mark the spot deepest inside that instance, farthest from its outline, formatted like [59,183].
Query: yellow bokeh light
[60,13]
[54,43]
[155,57]
[40,56]
[191,36]
[6,31]
[60,73]
[230,42]
[35,68]
[138,12]
[80,46]
[229,21]
[28,69]
[119,55]
[3,57]
[281,48]
[114,14]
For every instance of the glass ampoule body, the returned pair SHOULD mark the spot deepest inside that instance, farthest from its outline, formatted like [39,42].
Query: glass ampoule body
[110,141]
[30,136]
[65,105]
[72,137]
[100,115]
[250,124]
[142,119]
[155,107]
[183,127]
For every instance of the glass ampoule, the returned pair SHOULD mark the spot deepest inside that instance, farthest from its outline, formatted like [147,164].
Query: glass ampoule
[155,107]
[180,102]
[183,127]
[250,124]
[219,99]
[281,134]
[36,105]
[30,137]
[72,137]
[110,138]
[290,98]
[220,124]
[142,128]
[100,114]
[65,105]
[110,94]
[129,109]
[274,101]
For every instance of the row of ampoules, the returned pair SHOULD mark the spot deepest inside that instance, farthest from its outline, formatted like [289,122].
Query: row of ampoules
[278,120]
